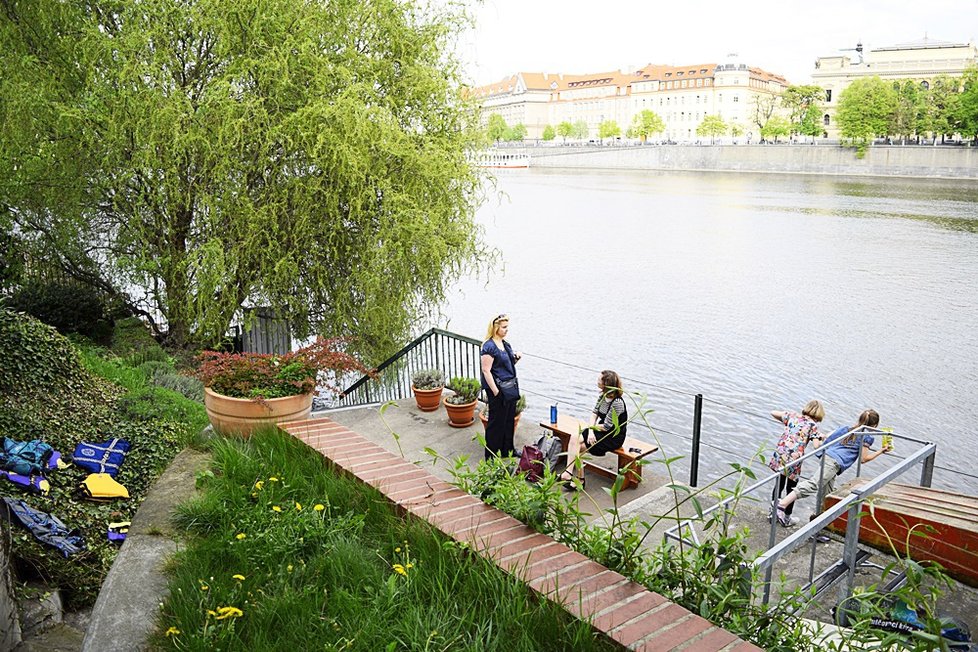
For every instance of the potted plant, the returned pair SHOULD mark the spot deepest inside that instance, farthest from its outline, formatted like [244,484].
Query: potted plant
[427,385]
[461,405]
[520,406]
[245,391]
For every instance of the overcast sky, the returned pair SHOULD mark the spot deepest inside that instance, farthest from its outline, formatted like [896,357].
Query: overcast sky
[779,36]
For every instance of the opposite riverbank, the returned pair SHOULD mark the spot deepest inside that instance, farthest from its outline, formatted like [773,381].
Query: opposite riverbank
[917,161]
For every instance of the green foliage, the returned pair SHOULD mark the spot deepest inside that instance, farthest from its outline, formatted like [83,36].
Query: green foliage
[69,306]
[763,108]
[909,112]
[152,353]
[865,109]
[777,127]
[646,123]
[549,133]
[330,559]
[307,156]
[466,390]
[154,367]
[565,129]
[516,132]
[131,336]
[580,130]
[965,109]
[712,126]
[804,108]
[497,128]
[187,386]
[48,394]
[428,379]
[736,129]
[608,129]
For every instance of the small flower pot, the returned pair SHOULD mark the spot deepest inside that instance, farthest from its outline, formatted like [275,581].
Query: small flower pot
[427,399]
[243,416]
[460,416]
[484,418]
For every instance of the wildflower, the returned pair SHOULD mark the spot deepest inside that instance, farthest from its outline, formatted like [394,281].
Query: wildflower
[273,479]
[228,612]
[173,631]
[240,535]
[260,485]
[319,507]
[298,507]
[239,577]
[399,570]
[409,566]
[397,550]
[289,568]
[276,508]
[204,587]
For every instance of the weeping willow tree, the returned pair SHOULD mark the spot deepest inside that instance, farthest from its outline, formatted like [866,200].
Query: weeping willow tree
[192,157]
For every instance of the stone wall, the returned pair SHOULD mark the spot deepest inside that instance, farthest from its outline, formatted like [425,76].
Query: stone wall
[952,162]
[9,623]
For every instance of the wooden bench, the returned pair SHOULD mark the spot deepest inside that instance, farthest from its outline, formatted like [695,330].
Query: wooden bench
[630,453]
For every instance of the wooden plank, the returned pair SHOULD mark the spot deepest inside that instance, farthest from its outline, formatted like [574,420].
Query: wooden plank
[632,450]
[947,523]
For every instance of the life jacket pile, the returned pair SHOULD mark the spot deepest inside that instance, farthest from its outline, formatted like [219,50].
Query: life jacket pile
[102,488]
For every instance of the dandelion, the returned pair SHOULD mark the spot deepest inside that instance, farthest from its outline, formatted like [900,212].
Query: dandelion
[228,612]
[260,485]
[240,535]
[289,568]
[276,508]
[399,570]
[239,577]
[204,587]
[319,507]
[397,550]
[173,631]
[298,507]
[273,479]
[409,566]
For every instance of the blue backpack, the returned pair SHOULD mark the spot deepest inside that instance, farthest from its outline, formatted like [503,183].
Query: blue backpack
[25,457]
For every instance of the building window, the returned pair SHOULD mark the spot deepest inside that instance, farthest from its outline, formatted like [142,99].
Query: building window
[736,98]
[684,83]
[828,95]
[825,119]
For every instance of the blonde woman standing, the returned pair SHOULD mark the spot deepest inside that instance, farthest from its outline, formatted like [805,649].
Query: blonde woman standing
[498,361]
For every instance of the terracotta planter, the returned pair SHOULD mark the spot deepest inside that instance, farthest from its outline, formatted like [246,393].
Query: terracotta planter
[484,418]
[427,399]
[460,416]
[243,416]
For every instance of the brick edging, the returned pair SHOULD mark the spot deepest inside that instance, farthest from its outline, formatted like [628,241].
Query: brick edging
[625,611]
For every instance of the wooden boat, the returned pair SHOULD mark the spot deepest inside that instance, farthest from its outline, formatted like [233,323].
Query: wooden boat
[945,525]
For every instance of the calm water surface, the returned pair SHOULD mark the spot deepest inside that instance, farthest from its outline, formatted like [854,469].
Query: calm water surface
[758,291]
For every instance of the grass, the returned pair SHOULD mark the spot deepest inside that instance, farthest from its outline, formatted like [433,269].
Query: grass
[282,552]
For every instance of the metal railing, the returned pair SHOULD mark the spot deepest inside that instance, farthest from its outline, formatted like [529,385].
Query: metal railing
[453,354]
[850,504]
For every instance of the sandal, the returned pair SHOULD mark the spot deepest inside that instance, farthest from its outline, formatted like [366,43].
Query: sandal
[573,483]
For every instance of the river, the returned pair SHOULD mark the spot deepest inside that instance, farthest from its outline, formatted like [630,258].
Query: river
[758,291]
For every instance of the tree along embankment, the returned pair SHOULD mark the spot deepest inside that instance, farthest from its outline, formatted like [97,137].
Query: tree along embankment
[940,162]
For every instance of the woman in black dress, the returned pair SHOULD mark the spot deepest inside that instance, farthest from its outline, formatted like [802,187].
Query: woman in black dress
[606,432]
[498,361]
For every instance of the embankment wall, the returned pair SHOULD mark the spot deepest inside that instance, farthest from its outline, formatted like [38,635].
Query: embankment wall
[958,162]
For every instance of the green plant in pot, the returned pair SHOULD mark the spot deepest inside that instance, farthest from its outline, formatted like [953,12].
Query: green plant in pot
[245,391]
[520,406]
[461,405]
[427,385]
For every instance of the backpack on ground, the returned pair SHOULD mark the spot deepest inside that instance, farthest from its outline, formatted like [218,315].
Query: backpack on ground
[538,458]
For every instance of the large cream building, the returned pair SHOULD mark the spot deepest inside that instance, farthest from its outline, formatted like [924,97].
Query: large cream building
[921,61]
[681,95]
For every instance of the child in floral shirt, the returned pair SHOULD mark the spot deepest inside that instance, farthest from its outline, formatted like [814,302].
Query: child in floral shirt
[799,430]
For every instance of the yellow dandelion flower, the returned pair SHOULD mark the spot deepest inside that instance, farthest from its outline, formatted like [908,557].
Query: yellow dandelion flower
[173,631]
[409,566]
[289,568]
[240,535]
[273,479]
[228,612]
[298,507]
[260,485]
[399,570]
[204,587]
[239,577]
[319,507]
[397,550]
[211,612]
[276,508]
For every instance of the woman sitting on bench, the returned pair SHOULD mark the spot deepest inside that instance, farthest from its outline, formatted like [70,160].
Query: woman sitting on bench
[602,436]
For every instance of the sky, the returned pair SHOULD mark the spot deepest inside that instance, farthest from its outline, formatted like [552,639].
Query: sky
[783,37]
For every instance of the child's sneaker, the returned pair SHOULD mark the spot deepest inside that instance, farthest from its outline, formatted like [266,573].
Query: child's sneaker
[783,518]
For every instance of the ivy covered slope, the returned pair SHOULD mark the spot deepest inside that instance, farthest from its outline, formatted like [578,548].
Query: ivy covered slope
[47,393]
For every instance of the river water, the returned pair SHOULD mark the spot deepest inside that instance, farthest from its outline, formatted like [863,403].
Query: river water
[758,291]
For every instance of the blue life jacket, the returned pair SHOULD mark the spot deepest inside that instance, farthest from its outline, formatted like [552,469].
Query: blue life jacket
[25,457]
[103,457]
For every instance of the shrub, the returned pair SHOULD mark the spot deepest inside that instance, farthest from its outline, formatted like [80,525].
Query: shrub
[153,353]
[70,307]
[254,375]
[191,388]
[154,367]
[466,390]
[131,335]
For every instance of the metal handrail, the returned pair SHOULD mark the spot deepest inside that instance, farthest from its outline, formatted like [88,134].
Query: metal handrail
[454,354]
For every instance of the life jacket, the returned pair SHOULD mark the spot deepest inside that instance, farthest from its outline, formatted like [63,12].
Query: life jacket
[101,487]
[103,457]
[117,531]
[35,483]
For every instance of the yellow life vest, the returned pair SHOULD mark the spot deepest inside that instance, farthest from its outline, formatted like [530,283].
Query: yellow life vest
[103,488]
